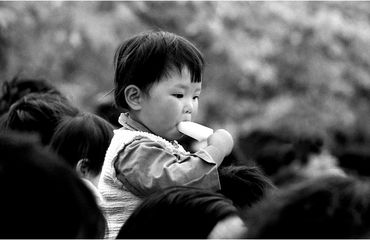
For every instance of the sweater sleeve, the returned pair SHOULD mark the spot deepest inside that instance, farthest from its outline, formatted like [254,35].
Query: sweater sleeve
[145,166]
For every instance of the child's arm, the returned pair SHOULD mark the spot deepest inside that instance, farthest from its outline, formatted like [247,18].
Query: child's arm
[145,166]
[220,143]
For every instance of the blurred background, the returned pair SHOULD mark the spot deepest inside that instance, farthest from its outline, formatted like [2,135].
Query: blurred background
[296,69]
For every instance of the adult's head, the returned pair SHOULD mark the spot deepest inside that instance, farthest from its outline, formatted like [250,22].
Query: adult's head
[183,212]
[323,207]
[82,142]
[271,151]
[15,89]
[244,185]
[39,113]
[108,111]
[41,197]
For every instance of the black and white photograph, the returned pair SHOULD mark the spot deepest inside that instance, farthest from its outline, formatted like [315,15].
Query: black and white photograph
[184,119]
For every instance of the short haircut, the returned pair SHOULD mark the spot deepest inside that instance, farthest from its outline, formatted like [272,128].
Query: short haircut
[41,197]
[324,207]
[39,113]
[85,136]
[146,58]
[244,185]
[177,212]
[18,87]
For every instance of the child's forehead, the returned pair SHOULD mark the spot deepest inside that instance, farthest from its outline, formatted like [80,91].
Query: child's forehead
[182,80]
[191,85]
[177,81]
[174,74]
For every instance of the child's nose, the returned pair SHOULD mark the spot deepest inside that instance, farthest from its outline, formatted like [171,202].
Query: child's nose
[188,108]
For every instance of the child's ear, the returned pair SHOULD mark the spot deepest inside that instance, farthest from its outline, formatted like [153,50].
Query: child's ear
[133,97]
[82,167]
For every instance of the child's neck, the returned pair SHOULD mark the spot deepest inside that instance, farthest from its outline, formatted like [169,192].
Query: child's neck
[134,116]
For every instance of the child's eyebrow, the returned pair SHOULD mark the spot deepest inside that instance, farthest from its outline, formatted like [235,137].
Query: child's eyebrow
[184,86]
[181,85]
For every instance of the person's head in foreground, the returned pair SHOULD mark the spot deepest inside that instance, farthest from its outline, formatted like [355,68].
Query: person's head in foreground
[184,212]
[323,207]
[244,185]
[41,197]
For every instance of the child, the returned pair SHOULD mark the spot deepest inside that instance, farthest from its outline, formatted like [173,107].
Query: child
[82,142]
[158,80]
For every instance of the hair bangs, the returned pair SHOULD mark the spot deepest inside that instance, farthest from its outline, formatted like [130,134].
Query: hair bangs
[180,54]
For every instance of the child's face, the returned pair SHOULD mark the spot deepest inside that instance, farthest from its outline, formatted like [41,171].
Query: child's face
[170,101]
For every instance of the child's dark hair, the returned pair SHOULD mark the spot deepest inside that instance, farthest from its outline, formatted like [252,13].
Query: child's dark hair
[144,59]
[85,136]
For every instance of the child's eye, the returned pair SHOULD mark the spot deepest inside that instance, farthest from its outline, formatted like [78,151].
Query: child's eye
[196,97]
[178,95]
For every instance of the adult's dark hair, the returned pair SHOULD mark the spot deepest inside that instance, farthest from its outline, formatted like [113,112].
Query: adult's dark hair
[324,207]
[177,212]
[16,88]
[86,136]
[355,160]
[39,113]
[41,197]
[244,185]
[270,151]
[146,58]
[108,111]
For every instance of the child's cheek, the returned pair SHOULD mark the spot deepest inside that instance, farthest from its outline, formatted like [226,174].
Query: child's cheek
[195,110]
[170,111]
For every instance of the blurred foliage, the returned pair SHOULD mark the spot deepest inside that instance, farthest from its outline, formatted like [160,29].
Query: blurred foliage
[301,67]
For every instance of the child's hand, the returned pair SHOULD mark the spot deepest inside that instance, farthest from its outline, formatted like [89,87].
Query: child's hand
[222,140]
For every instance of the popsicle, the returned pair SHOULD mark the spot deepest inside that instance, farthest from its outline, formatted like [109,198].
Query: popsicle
[195,130]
